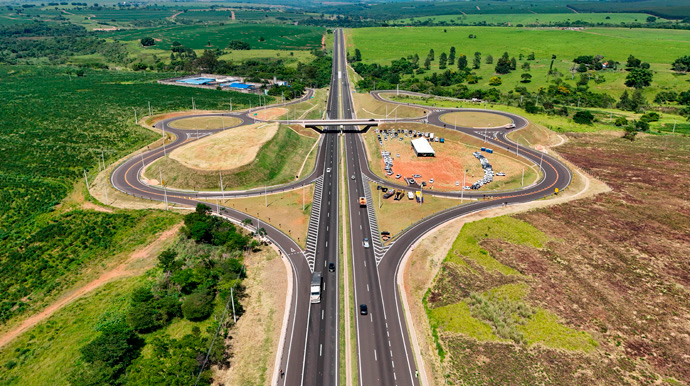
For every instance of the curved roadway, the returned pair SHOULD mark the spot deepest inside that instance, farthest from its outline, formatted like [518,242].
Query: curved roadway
[382,360]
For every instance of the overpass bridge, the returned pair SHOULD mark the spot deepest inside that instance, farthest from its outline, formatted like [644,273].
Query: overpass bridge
[323,125]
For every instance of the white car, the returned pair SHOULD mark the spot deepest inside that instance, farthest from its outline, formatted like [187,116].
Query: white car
[365,243]
[328,170]
[500,174]
[431,180]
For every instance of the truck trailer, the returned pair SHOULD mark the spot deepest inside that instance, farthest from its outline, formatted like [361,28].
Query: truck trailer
[316,287]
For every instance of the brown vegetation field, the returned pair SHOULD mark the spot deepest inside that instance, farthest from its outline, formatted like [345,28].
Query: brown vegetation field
[592,292]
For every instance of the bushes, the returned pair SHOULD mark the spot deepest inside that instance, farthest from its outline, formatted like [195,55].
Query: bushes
[198,305]
[583,117]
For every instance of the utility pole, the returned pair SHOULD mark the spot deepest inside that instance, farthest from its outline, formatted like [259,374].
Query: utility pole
[230,104]
[136,120]
[164,137]
[523,177]
[217,207]
[143,165]
[193,105]
[165,190]
[303,197]
[541,159]
[150,113]
[517,151]
[462,191]
[232,298]
[87,180]
[265,196]
[222,192]
[379,199]
[105,189]
[103,159]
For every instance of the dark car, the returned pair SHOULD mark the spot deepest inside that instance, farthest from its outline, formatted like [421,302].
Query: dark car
[363,309]
[331,267]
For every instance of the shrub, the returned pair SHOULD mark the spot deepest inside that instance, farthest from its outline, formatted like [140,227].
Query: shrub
[621,121]
[495,81]
[198,305]
[147,42]
[583,117]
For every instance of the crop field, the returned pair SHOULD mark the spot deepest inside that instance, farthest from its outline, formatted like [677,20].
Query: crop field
[276,37]
[241,15]
[272,165]
[658,47]
[594,289]
[676,9]
[290,57]
[530,18]
[53,130]
[452,157]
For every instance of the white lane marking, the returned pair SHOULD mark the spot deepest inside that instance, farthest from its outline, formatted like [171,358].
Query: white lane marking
[322,312]
[326,244]
[324,285]
[321,350]
[360,226]
[365,263]
[326,228]
[393,362]
[367,287]
[324,263]
[375,357]
[372,317]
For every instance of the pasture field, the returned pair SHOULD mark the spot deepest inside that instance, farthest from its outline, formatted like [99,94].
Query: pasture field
[527,290]
[285,37]
[658,47]
[290,57]
[273,164]
[54,128]
[534,19]
[676,9]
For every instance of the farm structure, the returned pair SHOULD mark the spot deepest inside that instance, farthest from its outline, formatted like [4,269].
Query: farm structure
[422,148]
[225,82]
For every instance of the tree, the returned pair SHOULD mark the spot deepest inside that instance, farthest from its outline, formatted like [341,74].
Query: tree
[495,81]
[431,54]
[147,41]
[530,56]
[139,66]
[526,78]
[620,121]
[526,66]
[477,61]
[639,78]
[651,19]
[503,65]
[358,55]
[427,63]
[442,60]
[208,61]
[198,305]
[451,56]
[681,64]
[583,117]
[238,45]
[633,62]
[489,59]
[462,62]
[513,64]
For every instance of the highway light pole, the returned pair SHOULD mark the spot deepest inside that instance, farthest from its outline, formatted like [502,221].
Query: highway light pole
[222,192]
[462,188]
[136,120]
[150,113]
[523,177]
[541,159]
[165,191]
[87,180]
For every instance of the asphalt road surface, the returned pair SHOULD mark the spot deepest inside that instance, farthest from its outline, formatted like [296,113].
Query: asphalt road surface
[309,351]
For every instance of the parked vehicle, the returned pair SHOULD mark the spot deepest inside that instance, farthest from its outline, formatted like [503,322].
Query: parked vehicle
[442,140]
[500,174]
[431,180]
[397,176]
[410,196]
[417,176]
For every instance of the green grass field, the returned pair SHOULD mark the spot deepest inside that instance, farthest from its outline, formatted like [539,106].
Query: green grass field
[285,37]
[658,47]
[533,18]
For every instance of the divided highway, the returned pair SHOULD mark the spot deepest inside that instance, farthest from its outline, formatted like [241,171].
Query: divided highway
[308,353]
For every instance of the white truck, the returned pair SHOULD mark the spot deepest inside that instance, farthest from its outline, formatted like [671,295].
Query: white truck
[316,287]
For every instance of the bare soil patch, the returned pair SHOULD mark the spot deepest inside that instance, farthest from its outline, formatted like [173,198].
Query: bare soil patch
[226,150]
[272,113]
[452,157]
